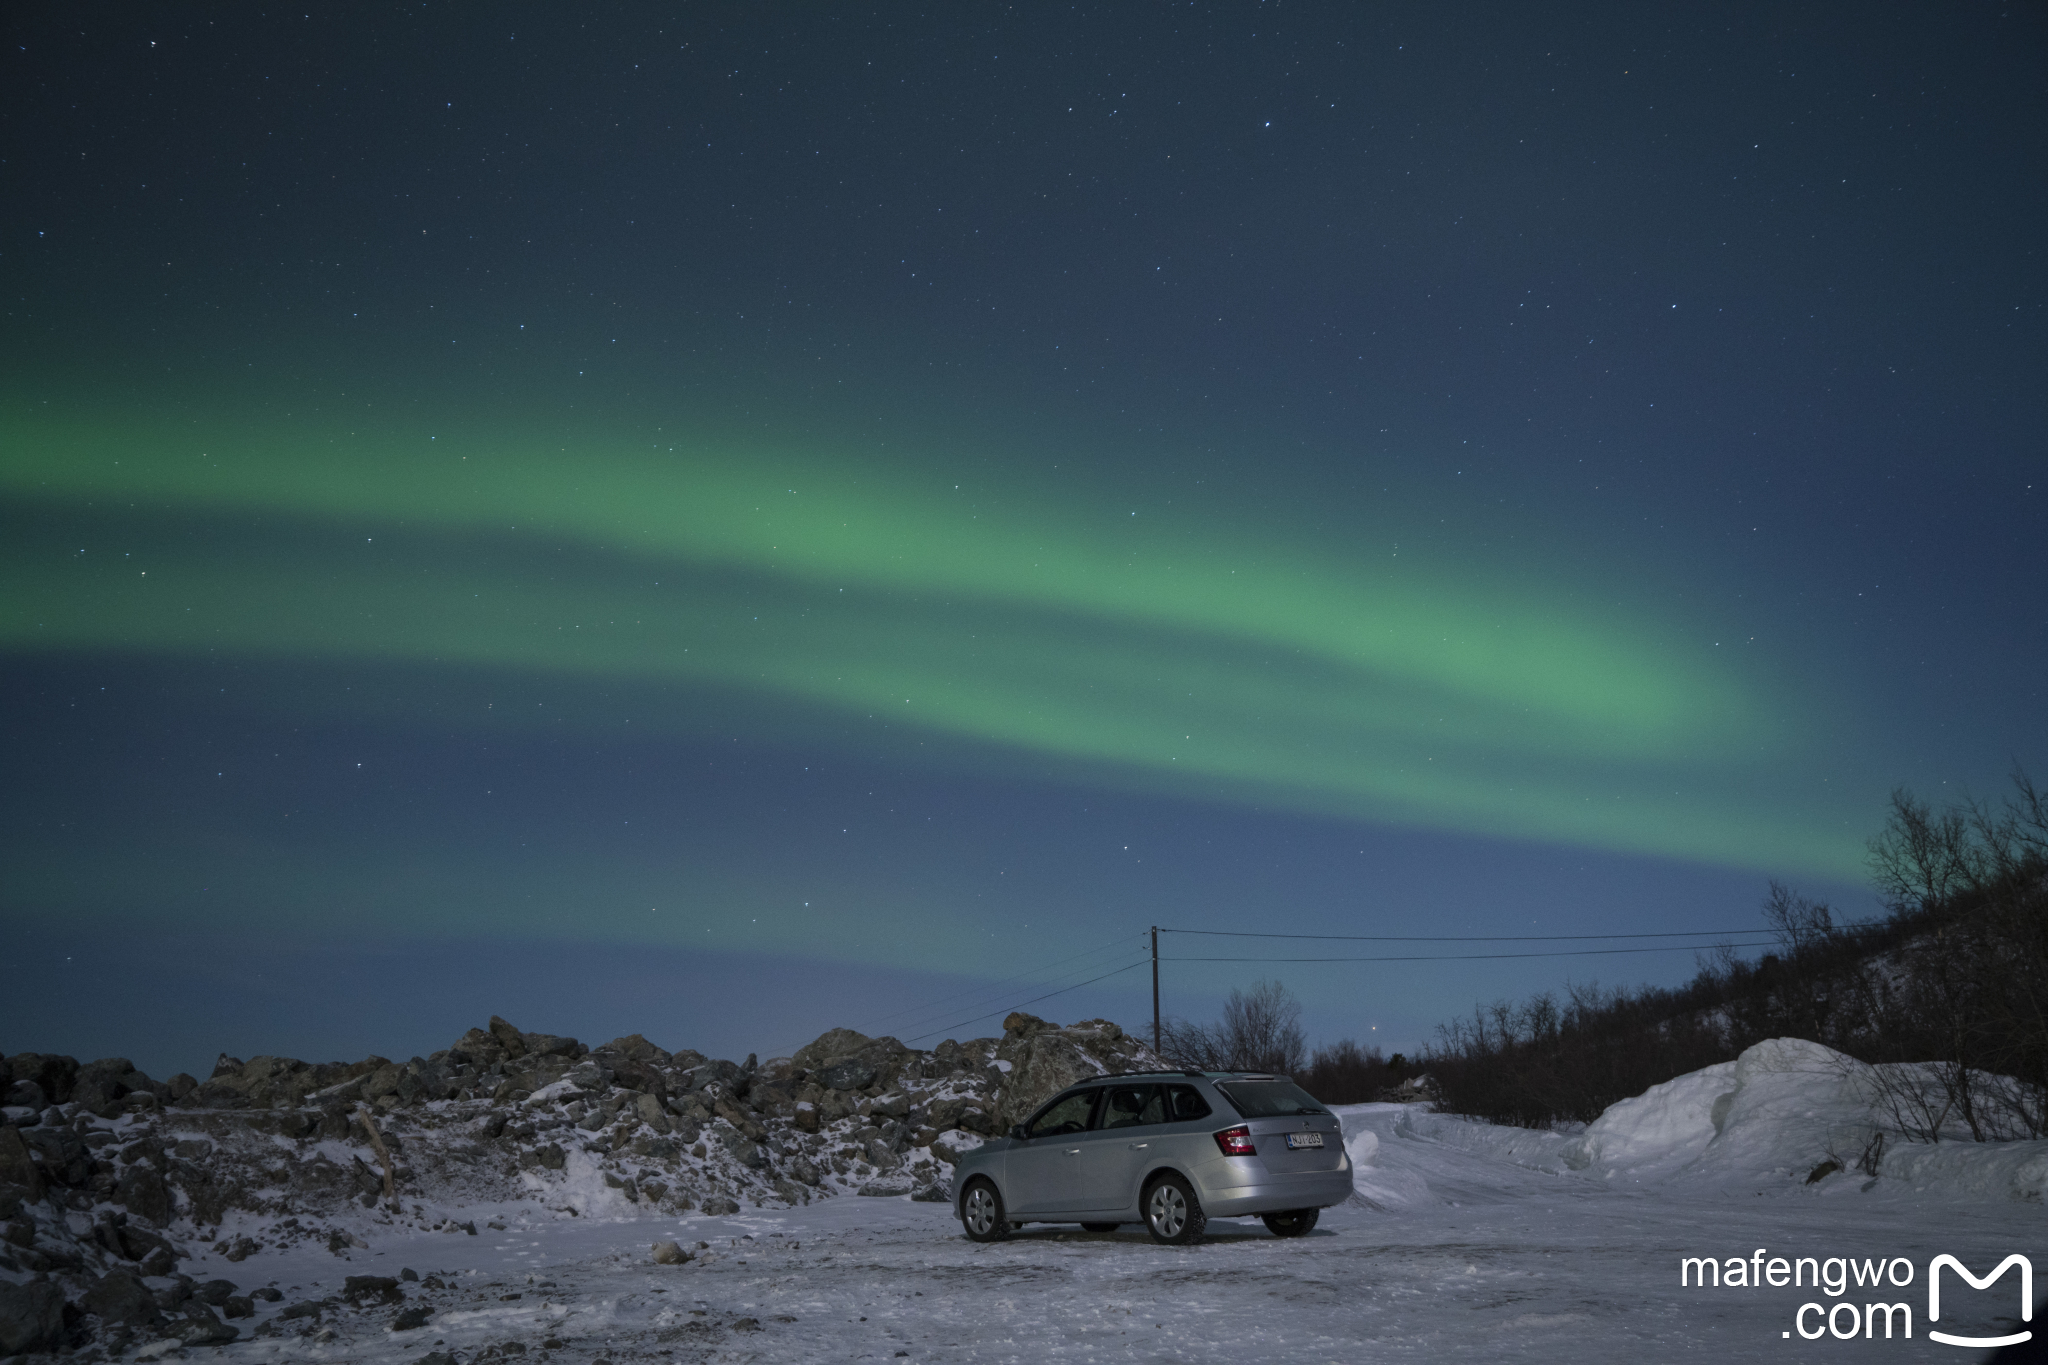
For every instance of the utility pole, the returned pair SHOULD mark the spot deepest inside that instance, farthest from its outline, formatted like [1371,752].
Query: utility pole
[1155,988]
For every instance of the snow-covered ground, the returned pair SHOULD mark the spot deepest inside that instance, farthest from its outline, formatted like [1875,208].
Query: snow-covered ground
[1463,1241]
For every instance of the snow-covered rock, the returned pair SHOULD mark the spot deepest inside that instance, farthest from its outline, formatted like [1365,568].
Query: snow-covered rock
[105,1172]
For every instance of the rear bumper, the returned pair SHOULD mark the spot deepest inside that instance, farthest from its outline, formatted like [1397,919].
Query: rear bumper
[1272,1193]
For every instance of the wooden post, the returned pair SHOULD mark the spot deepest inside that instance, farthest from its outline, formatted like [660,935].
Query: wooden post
[1155,988]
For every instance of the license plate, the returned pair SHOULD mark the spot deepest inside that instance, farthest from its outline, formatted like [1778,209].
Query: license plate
[1304,1139]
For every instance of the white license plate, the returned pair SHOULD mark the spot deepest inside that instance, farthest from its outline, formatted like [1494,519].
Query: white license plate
[1304,1139]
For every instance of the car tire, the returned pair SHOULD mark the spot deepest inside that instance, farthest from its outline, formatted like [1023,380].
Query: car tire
[1293,1223]
[982,1213]
[1173,1215]
[1100,1227]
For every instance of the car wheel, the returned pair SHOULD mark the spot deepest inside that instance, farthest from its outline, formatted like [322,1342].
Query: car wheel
[1293,1223]
[1100,1227]
[982,1213]
[1172,1213]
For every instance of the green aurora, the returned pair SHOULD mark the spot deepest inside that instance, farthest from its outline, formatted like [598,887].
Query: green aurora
[1176,652]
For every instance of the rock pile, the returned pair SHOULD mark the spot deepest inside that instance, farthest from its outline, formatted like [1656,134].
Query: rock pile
[274,1151]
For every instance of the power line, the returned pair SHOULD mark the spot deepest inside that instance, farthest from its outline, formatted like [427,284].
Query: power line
[1128,966]
[985,990]
[1466,938]
[1480,957]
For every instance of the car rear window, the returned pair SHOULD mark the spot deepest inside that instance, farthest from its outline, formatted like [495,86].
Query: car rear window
[1269,1099]
[1184,1104]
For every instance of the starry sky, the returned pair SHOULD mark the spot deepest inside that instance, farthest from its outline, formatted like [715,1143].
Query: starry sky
[726,522]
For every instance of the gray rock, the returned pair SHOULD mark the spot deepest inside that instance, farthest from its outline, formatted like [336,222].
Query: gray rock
[101,1086]
[744,1149]
[670,1253]
[719,1206]
[215,1292]
[119,1297]
[588,1074]
[847,1073]
[48,1070]
[511,1042]
[203,1327]
[412,1318]
[17,1166]
[31,1317]
[1045,1058]
[145,1195]
[720,1073]
[362,1289]
[66,1159]
[27,1095]
[239,1306]
[552,1157]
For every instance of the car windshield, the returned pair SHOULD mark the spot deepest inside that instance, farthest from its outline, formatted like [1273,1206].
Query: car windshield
[1269,1099]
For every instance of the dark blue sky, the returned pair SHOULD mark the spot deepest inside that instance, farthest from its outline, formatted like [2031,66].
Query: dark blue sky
[726,524]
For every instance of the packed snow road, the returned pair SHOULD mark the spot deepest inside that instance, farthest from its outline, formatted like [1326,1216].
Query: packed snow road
[1465,1241]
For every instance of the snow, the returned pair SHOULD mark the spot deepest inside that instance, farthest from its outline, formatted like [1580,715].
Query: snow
[1464,1240]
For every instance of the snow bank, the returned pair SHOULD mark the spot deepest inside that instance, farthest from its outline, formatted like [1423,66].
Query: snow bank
[1659,1131]
[1774,1117]
[1529,1148]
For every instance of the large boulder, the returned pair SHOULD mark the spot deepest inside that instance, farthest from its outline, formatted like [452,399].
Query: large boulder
[119,1297]
[637,1048]
[1037,1060]
[52,1073]
[839,1042]
[101,1086]
[143,1192]
[845,1060]
[17,1166]
[66,1159]
[510,1040]
[31,1317]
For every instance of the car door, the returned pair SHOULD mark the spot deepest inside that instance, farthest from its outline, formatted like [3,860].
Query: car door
[1184,1140]
[1041,1171]
[1121,1146]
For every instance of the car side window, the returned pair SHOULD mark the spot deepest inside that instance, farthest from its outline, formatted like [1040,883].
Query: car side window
[1132,1106]
[1069,1115]
[1184,1103]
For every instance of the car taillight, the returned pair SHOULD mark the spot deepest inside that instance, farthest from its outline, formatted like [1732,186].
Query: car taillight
[1236,1141]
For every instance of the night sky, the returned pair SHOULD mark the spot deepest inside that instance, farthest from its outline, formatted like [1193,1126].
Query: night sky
[727,523]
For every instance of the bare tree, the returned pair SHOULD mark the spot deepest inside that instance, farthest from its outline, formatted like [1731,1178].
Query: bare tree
[1260,1031]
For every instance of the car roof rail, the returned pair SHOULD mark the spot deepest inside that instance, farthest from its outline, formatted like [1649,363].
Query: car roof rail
[1163,1071]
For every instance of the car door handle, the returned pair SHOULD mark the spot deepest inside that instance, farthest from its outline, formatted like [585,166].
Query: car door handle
[1140,1146]
[1073,1151]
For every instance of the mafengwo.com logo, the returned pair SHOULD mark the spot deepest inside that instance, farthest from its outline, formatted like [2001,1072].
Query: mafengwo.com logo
[1847,1318]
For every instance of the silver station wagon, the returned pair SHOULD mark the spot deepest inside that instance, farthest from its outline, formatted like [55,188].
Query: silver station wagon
[1170,1149]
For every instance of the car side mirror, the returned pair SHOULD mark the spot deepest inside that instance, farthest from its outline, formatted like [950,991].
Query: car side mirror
[1017,1133]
